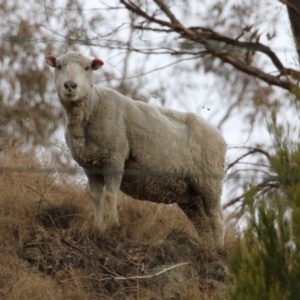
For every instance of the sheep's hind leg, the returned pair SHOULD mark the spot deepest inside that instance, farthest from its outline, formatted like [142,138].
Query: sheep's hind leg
[214,212]
[211,190]
[196,213]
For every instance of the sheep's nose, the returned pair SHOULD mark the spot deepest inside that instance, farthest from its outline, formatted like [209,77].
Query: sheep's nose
[70,85]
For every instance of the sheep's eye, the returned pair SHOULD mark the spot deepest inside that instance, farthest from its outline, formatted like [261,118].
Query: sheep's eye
[87,68]
[58,67]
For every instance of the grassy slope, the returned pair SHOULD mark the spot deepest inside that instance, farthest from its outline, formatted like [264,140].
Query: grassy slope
[49,248]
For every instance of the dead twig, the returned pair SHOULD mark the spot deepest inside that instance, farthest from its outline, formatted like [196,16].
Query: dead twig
[263,187]
[129,278]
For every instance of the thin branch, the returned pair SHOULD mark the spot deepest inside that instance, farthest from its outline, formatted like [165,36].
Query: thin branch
[253,71]
[251,148]
[159,68]
[246,154]
[152,275]
[90,256]
[176,25]
[129,278]
[136,9]
[168,13]
[249,46]
[140,27]
[256,165]
[262,187]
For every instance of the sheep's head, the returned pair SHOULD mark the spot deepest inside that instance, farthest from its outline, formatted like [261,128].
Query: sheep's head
[73,75]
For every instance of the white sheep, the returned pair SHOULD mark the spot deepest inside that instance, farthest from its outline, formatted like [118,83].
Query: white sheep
[149,152]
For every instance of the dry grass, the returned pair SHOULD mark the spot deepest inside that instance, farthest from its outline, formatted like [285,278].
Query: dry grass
[49,248]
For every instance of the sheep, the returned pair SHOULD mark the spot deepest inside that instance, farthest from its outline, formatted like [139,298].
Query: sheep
[147,151]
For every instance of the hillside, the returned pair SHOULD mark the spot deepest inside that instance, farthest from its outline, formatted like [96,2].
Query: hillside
[49,248]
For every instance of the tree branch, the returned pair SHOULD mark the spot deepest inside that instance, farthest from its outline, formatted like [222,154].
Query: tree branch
[252,151]
[208,37]
[131,277]
[253,71]
[249,46]
[168,13]
[136,9]
[176,25]
[263,187]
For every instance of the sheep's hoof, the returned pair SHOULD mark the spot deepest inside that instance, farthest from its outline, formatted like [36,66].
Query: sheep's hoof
[114,224]
[100,227]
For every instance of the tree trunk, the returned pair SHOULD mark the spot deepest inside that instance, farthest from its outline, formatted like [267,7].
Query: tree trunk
[293,7]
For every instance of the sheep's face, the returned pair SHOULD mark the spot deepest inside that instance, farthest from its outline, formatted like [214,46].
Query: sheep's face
[73,75]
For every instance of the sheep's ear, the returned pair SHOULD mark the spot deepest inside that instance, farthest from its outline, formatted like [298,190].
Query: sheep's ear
[96,64]
[51,60]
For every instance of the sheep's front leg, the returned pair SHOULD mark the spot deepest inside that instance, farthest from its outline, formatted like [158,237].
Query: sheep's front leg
[112,187]
[96,185]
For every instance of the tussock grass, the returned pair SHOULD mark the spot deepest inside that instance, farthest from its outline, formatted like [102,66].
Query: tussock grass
[49,248]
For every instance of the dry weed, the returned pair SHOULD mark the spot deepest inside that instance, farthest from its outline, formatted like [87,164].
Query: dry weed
[49,248]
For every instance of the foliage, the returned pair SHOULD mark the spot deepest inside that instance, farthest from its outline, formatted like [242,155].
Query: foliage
[29,113]
[266,264]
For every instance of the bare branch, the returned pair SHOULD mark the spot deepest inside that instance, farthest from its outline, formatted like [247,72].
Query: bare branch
[152,29]
[207,37]
[254,150]
[249,46]
[263,187]
[136,9]
[168,13]
[152,275]
[157,69]
[131,277]
[253,71]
